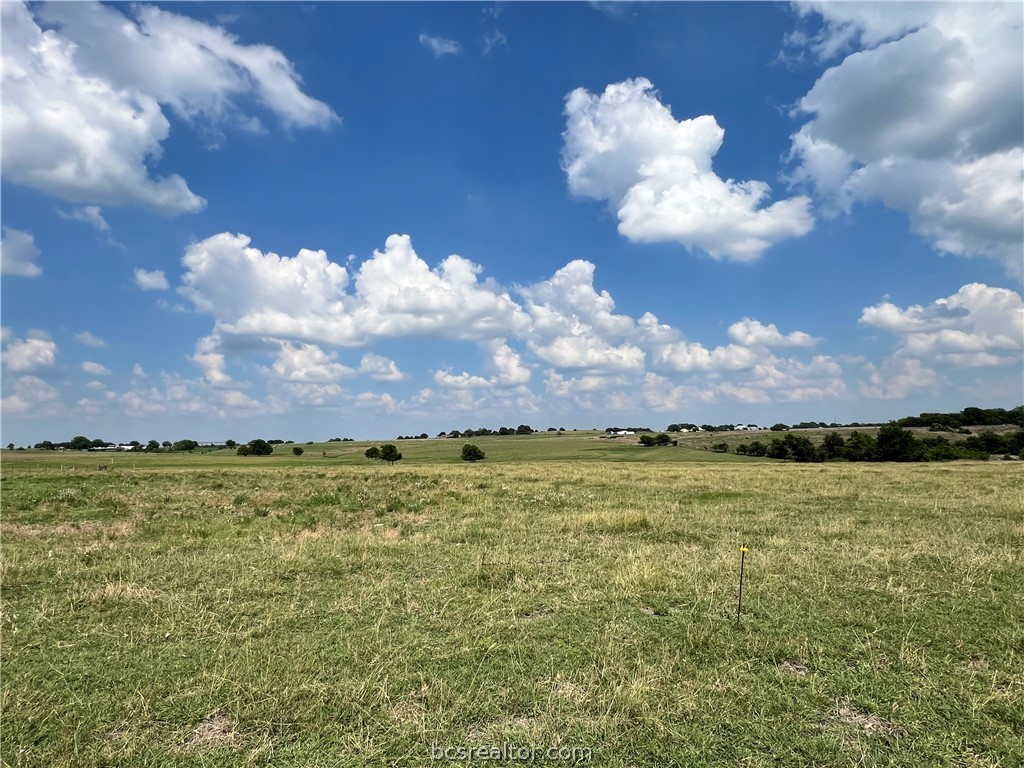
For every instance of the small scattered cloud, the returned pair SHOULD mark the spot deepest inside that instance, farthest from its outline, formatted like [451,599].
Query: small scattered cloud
[752,333]
[95,369]
[494,40]
[440,46]
[615,9]
[18,254]
[89,339]
[155,280]
[89,214]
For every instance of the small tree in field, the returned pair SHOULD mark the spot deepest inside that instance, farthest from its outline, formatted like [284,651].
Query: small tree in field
[297,451]
[372,452]
[389,453]
[260,447]
[471,453]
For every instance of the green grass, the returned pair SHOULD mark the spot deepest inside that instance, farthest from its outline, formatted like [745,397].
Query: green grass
[331,611]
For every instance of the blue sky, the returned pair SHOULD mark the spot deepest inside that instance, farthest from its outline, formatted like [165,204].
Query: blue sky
[317,220]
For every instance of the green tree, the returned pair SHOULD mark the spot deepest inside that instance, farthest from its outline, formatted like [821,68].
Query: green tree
[897,444]
[801,448]
[832,446]
[721,448]
[472,453]
[244,450]
[861,447]
[80,443]
[260,447]
[373,452]
[757,448]
[230,443]
[777,449]
[297,451]
[778,428]
[389,453]
[152,445]
[185,445]
[10,446]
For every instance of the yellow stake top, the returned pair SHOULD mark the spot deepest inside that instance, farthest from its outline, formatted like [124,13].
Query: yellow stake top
[744,549]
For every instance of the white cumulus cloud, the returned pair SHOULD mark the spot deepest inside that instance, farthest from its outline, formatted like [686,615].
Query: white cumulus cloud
[750,333]
[89,339]
[33,353]
[95,369]
[927,117]
[89,214]
[154,280]
[440,46]
[84,87]
[979,325]
[655,172]
[18,254]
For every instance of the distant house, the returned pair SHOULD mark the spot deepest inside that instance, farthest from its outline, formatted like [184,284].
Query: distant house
[623,432]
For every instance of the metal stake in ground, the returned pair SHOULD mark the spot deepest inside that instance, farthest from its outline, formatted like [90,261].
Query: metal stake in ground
[743,557]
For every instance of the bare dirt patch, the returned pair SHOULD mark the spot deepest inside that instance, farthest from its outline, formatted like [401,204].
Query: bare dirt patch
[215,731]
[794,668]
[117,590]
[409,711]
[870,725]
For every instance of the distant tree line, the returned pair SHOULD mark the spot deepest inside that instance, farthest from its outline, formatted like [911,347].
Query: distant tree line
[522,429]
[893,443]
[968,417]
[937,422]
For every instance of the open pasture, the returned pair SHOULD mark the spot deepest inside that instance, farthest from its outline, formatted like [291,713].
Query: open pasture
[321,611]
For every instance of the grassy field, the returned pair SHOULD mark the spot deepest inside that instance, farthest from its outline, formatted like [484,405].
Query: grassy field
[215,610]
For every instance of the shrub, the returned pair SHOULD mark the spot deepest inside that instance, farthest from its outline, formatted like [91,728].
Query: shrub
[649,441]
[721,448]
[297,451]
[259,447]
[472,453]
[372,453]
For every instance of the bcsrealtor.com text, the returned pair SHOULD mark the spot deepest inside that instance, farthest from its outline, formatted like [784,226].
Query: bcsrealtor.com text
[506,752]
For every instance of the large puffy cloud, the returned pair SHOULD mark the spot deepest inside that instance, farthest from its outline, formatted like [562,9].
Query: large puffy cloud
[655,172]
[82,99]
[979,325]
[305,298]
[928,118]
[195,68]
[18,254]
[296,308]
